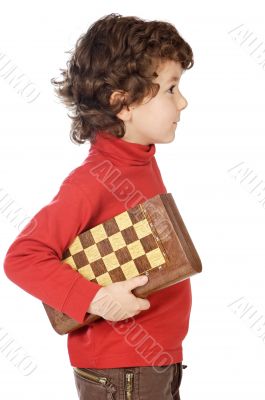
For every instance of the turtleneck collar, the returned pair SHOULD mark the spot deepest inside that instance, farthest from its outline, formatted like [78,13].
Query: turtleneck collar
[126,152]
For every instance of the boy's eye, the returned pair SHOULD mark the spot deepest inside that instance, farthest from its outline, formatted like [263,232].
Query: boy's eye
[171,88]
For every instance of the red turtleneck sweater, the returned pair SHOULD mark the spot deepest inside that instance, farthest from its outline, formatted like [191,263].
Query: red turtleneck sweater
[115,176]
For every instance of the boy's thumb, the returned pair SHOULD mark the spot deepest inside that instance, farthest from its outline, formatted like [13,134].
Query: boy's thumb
[137,281]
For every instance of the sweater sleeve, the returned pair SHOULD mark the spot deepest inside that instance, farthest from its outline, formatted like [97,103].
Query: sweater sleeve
[33,261]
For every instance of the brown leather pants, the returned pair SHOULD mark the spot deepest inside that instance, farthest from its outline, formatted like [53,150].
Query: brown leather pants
[130,383]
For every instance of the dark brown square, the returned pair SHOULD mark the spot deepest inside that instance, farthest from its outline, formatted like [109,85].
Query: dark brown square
[129,235]
[123,255]
[98,267]
[136,214]
[111,227]
[149,243]
[86,239]
[66,254]
[117,275]
[142,263]
[80,259]
[104,247]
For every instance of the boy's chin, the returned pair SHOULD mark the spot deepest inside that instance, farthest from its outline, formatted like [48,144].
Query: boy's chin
[171,138]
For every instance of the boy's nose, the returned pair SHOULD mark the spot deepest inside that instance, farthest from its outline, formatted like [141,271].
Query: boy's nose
[182,103]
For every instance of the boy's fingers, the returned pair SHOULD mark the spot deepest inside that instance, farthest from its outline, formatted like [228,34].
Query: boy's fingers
[136,281]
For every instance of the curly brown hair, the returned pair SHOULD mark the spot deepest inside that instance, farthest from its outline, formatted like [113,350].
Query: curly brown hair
[116,54]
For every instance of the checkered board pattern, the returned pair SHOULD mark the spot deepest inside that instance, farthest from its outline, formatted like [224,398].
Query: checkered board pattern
[118,249]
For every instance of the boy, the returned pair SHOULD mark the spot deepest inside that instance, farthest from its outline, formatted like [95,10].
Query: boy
[122,83]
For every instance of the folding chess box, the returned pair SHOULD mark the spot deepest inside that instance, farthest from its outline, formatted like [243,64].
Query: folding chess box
[150,238]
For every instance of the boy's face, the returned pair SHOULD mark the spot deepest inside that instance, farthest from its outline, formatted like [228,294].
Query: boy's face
[155,120]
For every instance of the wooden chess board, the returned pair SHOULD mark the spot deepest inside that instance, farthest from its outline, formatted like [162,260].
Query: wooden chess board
[150,238]
[118,249]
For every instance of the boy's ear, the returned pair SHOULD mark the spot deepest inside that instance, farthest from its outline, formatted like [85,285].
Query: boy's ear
[125,113]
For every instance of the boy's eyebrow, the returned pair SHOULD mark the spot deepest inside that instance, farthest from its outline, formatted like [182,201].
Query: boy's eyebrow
[173,78]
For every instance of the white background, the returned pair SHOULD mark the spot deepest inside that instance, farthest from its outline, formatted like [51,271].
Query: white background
[223,126]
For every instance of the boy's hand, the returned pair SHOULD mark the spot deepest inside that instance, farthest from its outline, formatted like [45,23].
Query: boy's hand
[115,302]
